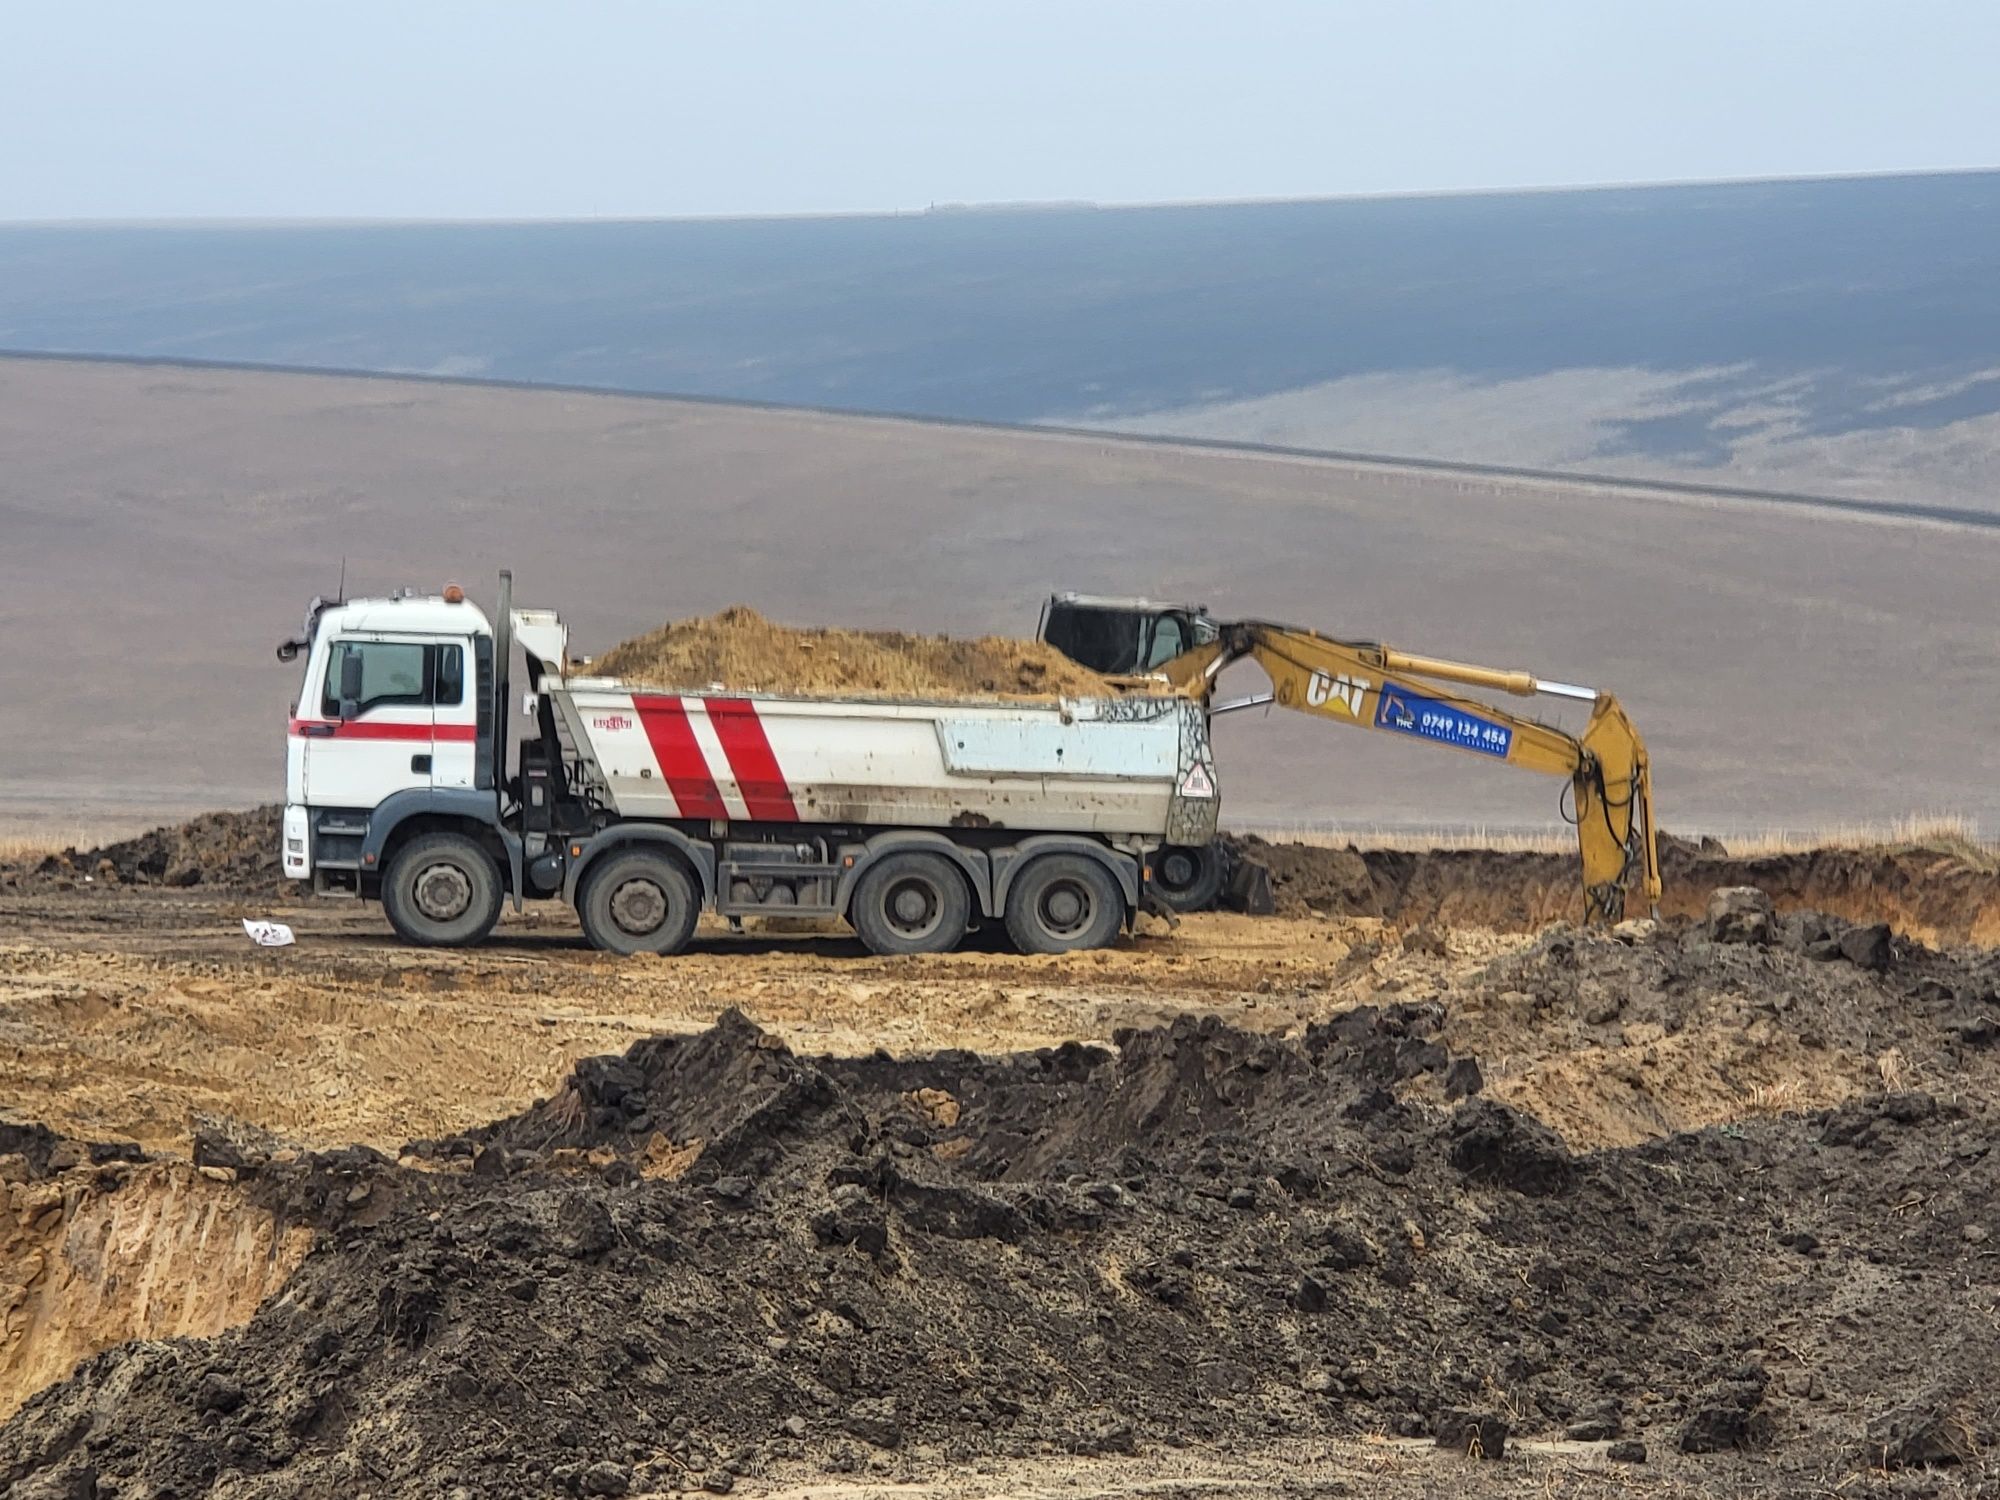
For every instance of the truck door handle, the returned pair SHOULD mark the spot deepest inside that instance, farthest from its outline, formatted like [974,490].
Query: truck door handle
[421,763]
[316,731]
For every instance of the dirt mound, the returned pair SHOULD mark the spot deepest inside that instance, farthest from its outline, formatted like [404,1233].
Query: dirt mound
[1947,894]
[710,1258]
[232,851]
[741,650]
[1616,1040]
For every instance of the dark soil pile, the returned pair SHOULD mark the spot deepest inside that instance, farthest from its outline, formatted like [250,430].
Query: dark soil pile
[237,852]
[742,650]
[710,1258]
[41,1152]
[1945,894]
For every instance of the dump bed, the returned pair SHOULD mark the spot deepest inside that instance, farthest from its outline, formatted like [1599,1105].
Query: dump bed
[1137,766]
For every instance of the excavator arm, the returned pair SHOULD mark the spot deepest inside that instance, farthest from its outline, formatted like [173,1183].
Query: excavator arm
[1376,687]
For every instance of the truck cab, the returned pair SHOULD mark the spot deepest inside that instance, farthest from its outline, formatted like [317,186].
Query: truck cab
[390,713]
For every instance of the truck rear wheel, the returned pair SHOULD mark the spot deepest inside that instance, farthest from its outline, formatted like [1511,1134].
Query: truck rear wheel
[911,902]
[1062,903]
[442,890]
[1188,877]
[638,901]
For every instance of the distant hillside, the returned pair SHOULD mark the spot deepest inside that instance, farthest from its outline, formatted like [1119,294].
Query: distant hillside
[1838,335]
[1791,667]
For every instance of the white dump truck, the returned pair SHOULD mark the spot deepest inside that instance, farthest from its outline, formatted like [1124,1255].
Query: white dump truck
[915,820]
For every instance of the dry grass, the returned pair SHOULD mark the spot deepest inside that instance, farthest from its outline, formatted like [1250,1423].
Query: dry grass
[1784,1097]
[16,847]
[30,835]
[1941,831]
[1366,836]
[32,840]
[1922,831]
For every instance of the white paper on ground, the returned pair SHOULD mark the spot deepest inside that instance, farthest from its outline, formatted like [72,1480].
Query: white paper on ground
[268,934]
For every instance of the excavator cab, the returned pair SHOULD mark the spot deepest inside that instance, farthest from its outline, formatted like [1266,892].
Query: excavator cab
[1123,637]
[1135,638]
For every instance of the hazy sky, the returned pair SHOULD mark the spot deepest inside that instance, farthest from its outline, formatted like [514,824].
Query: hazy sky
[478,108]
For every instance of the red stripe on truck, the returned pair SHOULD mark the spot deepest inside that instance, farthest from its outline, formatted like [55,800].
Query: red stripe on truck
[365,729]
[766,793]
[683,765]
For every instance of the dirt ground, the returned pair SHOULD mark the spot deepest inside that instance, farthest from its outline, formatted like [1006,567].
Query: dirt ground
[1247,1206]
[128,1012]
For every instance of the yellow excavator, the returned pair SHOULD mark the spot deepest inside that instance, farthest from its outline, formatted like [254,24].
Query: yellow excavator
[1141,644]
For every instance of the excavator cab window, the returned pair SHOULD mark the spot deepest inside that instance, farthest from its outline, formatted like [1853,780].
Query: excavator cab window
[1117,640]
[1170,638]
[1104,640]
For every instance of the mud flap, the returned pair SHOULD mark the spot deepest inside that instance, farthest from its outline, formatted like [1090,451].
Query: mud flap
[1249,889]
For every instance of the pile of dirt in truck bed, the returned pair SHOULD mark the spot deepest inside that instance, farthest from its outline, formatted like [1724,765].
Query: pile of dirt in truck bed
[710,1258]
[741,650]
[233,851]
[1947,892]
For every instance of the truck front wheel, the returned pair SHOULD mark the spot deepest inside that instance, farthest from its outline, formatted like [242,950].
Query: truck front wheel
[638,901]
[1063,902]
[442,890]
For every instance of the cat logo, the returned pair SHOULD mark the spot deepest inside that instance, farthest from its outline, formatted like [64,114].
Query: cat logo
[1344,690]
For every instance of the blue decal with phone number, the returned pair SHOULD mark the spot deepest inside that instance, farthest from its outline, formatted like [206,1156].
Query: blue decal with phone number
[1426,718]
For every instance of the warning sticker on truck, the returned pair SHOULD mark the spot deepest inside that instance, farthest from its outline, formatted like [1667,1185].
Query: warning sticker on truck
[1427,719]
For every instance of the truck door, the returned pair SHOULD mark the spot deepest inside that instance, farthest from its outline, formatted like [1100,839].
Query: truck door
[454,716]
[388,744]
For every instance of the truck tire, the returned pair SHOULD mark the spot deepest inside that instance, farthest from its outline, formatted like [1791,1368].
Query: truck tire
[1189,877]
[911,902]
[638,901]
[1061,903]
[442,890]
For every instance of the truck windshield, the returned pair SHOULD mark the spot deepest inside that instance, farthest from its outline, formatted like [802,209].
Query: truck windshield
[392,672]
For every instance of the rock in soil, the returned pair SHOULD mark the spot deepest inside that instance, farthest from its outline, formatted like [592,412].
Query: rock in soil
[1740,914]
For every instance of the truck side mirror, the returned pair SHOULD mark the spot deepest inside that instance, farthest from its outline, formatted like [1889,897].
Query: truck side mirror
[350,685]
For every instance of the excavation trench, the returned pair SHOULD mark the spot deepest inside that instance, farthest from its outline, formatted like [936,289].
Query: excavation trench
[1948,893]
[93,1256]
